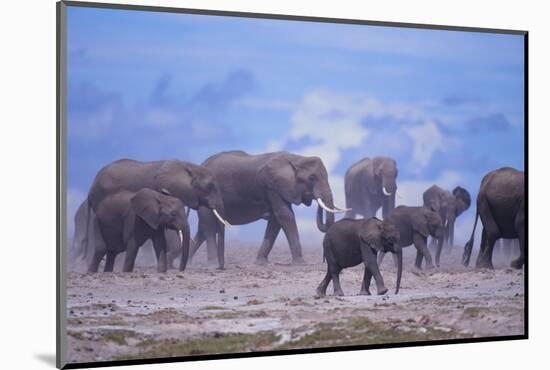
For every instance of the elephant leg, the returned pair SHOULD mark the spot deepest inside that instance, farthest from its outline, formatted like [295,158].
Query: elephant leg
[96,260]
[159,245]
[418,260]
[110,263]
[99,246]
[172,252]
[185,248]
[369,260]
[271,232]
[211,246]
[420,245]
[365,286]
[518,262]
[438,250]
[485,256]
[491,240]
[221,248]
[482,247]
[285,216]
[207,230]
[195,244]
[335,275]
[322,288]
[131,254]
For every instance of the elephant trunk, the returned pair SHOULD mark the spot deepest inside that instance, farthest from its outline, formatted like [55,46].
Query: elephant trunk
[324,226]
[325,202]
[399,252]
[185,241]
[451,225]
[389,187]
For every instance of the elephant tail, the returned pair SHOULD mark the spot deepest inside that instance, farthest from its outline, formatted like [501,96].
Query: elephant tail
[469,245]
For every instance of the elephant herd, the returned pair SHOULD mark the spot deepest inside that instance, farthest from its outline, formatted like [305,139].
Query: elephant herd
[130,202]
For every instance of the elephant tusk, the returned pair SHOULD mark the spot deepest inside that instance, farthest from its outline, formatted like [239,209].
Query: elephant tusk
[180,234]
[341,209]
[323,206]
[386,193]
[220,218]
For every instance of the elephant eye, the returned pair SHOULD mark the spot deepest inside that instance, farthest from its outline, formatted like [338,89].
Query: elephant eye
[312,177]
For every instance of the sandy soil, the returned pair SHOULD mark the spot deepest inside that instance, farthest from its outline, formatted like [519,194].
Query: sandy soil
[246,307]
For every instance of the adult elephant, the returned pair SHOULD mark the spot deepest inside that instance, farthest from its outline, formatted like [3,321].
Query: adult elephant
[265,186]
[448,206]
[369,185]
[501,207]
[195,186]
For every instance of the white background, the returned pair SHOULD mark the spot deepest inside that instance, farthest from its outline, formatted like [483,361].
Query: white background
[27,188]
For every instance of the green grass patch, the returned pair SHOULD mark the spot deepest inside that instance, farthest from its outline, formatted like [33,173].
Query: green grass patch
[216,343]
[362,331]
[118,336]
[212,308]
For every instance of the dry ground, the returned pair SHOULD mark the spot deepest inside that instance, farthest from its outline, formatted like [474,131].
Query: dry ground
[255,308]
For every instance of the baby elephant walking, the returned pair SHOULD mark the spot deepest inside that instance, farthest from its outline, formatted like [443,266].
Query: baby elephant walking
[349,242]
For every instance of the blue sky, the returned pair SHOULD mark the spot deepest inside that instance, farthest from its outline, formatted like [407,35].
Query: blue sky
[447,105]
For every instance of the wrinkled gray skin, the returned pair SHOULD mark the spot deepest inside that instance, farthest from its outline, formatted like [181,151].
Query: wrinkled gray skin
[415,224]
[193,185]
[264,186]
[77,250]
[127,220]
[365,183]
[448,206]
[351,242]
[501,207]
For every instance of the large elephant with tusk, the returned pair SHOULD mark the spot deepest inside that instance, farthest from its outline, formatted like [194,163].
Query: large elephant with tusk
[265,186]
[369,185]
[195,186]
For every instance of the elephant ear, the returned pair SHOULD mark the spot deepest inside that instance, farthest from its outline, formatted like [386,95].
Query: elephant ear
[432,200]
[176,178]
[279,175]
[370,233]
[146,206]
[419,223]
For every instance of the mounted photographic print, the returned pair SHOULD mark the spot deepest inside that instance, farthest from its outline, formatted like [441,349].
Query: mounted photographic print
[230,183]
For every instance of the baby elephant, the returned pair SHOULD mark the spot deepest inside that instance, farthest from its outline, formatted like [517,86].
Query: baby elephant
[415,224]
[127,220]
[349,242]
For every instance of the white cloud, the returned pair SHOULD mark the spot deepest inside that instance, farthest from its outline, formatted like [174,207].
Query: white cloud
[427,140]
[332,122]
